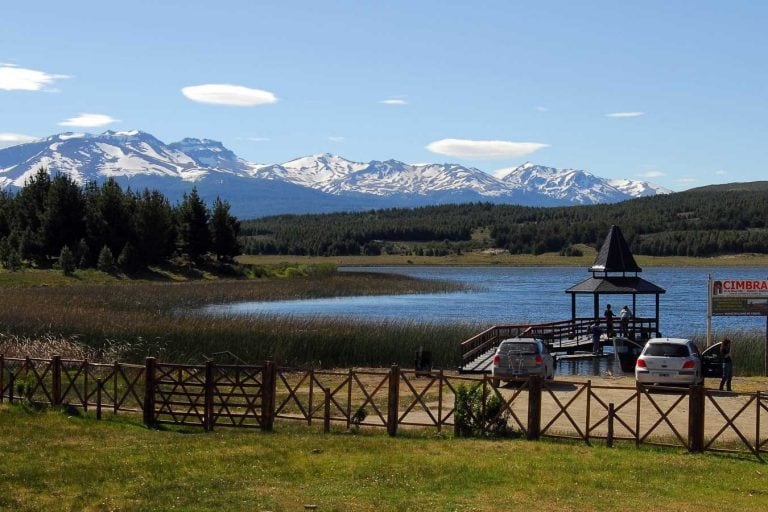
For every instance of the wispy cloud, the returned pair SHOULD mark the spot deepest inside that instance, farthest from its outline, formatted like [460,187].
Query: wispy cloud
[226,94]
[89,121]
[687,179]
[13,139]
[254,139]
[542,109]
[14,78]
[652,174]
[394,101]
[625,114]
[721,173]
[337,139]
[484,149]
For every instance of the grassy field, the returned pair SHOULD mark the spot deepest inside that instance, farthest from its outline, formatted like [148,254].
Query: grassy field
[52,461]
[515,260]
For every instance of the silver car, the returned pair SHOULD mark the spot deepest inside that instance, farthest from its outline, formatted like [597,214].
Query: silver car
[675,361]
[520,357]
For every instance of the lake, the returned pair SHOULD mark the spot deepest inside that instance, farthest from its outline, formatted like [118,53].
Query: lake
[508,295]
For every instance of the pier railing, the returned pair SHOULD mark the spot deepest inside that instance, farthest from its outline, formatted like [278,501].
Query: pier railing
[563,336]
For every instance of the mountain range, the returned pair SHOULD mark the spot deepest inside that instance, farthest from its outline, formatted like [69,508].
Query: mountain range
[310,184]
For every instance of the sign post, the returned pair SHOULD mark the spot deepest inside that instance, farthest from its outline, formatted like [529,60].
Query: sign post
[738,297]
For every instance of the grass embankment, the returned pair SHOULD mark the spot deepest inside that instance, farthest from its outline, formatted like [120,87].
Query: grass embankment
[55,462]
[128,321]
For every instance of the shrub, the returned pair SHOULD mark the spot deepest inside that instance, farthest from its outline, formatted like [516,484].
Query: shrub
[478,414]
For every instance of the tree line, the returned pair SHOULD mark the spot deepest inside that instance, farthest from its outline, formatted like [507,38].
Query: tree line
[704,222]
[54,220]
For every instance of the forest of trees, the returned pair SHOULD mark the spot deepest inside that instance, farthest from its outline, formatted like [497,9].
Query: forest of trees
[705,222]
[55,221]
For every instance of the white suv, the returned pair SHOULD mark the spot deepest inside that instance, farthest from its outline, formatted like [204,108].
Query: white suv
[674,361]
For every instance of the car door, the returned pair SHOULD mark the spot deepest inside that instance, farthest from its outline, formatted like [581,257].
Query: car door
[712,362]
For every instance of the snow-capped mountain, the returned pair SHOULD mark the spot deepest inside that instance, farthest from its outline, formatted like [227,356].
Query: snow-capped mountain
[315,183]
[574,186]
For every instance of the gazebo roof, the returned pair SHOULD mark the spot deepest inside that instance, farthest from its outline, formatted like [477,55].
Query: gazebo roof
[614,255]
[616,285]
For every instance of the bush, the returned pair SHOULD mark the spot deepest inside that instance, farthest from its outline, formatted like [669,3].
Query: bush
[479,415]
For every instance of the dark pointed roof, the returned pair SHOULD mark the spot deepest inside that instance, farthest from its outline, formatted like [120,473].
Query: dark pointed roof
[615,285]
[614,255]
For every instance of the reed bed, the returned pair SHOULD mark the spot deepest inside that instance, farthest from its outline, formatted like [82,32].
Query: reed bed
[130,321]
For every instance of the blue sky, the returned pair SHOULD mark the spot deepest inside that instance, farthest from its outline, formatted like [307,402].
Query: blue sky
[674,92]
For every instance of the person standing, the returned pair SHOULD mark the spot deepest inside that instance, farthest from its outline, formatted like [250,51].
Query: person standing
[624,315]
[608,320]
[595,331]
[725,352]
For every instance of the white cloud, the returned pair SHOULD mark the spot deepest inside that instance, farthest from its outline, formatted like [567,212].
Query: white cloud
[484,149]
[542,109]
[394,101]
[14,78]
[721,173]
[89,121]
[686,179]
[337,139]
[226,94]
[12,139]
[652,174]
[254,139]
[625,114]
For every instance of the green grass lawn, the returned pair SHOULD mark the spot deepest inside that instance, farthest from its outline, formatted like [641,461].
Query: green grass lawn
[52,461]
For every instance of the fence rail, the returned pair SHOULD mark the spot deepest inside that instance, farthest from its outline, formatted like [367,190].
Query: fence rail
[254,396]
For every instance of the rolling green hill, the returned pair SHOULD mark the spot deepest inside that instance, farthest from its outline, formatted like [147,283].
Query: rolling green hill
[715,220]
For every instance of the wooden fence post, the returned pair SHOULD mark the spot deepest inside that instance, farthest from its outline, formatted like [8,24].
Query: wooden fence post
[209,387]
[534,407]
[611,416]
[99,388]
[393,401]
[2,377]
[696,419]
[149,392]
[11,384]
[327,410]
[56,380]
[269,388]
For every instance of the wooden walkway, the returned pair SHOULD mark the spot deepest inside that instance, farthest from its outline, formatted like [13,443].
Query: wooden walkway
[565,337]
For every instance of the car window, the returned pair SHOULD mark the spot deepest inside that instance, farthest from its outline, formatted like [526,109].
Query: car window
[666,350]
[519,348]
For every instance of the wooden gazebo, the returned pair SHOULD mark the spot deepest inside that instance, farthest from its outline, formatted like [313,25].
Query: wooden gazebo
[615,272]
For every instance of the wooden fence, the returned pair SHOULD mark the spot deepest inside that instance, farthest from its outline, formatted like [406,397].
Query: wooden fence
[255,396]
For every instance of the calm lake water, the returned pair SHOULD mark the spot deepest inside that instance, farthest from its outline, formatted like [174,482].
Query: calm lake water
[505,295]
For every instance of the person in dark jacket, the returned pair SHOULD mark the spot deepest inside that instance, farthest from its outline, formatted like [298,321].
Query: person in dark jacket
[608,321]
[725,352]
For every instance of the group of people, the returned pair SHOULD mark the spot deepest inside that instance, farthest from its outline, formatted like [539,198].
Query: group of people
[624,317]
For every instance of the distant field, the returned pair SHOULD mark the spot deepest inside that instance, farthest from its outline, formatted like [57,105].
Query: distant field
[504,258]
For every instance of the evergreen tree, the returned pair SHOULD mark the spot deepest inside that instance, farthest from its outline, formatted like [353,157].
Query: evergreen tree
[193,232]
[224,231]
[62,218]
[106,261]
[155,228]
[66,261]
[127,260]
[83,255]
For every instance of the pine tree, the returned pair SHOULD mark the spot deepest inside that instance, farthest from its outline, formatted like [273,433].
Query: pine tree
[66,261]
[192,218]
[127,259]
[106,262]
[224,231]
